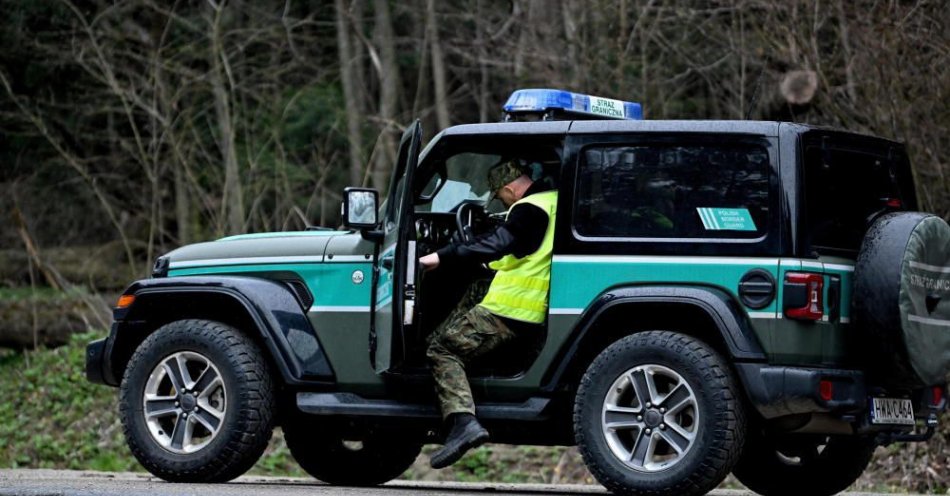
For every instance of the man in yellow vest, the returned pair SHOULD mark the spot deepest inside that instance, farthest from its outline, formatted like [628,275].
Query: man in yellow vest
[517,300]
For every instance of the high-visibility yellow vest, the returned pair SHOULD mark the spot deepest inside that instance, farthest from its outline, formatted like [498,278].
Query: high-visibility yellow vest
[519,290]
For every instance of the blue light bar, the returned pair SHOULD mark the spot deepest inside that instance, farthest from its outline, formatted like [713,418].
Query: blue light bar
[544,101]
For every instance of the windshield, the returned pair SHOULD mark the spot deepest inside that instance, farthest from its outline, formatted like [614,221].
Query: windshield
[456,170]
[465,178]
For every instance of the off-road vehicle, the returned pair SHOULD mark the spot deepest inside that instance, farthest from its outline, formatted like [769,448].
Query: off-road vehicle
[726,296]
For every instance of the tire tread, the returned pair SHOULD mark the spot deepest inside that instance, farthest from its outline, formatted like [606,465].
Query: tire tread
[716,374]
[255,419]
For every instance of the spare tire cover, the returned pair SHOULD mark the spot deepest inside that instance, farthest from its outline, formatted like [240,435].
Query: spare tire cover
[901,302]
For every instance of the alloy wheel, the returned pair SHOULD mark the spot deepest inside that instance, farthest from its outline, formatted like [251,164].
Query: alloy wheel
[185,402]
[650,418]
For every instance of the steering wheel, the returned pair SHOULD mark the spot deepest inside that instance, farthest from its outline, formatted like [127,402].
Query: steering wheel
[465,218]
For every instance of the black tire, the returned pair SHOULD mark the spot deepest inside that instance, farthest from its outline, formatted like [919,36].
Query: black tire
[367,460]
[794,465]
[718,423]
[247,415]
[901,301]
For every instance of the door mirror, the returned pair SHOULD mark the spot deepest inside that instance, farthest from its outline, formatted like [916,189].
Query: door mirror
[360,207]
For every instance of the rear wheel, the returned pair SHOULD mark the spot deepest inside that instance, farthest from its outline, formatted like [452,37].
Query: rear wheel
[365,460]
[658,413]
[197,402]
[796,465]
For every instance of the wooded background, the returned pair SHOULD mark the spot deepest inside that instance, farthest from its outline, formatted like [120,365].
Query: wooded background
[144,125]
[129,128]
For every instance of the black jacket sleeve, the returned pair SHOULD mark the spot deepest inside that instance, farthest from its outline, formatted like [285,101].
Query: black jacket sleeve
[520,235]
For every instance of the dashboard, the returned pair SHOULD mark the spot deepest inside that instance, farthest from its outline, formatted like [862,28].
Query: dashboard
[437,229]
[434,230]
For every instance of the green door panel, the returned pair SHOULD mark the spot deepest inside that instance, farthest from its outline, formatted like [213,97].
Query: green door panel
[576,281]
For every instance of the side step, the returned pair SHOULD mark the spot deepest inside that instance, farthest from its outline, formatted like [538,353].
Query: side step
[352,404]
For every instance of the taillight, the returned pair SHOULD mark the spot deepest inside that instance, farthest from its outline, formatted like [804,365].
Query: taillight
[936,396]
[804,295]
[826,389]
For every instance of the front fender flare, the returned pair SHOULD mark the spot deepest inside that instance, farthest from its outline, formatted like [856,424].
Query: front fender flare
[274,312]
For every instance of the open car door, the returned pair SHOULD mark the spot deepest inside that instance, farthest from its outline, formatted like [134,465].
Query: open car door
[394,274]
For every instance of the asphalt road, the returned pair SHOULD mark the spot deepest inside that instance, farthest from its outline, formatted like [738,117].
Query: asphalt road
[70,483]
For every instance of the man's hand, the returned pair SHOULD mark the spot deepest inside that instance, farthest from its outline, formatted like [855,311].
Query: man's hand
[429,261]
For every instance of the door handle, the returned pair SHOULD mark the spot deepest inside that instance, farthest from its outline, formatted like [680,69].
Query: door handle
[387,262]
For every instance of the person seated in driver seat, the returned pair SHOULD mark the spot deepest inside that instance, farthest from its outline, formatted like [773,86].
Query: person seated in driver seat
[517,300]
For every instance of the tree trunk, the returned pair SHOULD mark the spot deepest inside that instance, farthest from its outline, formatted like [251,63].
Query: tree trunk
[483,95]
[422,72]
[357,11]
[232,199]
[524,39]
[572,64]
[438,67]
[799,87]
[388,93]
[350,91]
[182,206]
[183,229]
[850,84]
[46,320]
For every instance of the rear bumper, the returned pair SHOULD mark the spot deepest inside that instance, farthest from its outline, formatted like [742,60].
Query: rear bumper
[777,391]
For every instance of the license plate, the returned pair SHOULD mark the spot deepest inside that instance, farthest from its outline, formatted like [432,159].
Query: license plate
[892,411]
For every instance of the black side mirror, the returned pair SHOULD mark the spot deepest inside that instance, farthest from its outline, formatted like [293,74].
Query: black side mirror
[360,207]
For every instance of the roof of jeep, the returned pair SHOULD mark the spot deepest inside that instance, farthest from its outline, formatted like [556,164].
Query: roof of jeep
[759,128]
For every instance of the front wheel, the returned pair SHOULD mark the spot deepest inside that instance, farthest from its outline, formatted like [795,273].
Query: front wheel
[658,413]
[365,460]
[197,402]
[792,465]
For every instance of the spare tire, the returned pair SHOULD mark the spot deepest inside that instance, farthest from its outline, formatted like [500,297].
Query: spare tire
[901,302]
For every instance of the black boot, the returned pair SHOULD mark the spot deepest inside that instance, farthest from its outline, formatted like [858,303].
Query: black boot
[466,434]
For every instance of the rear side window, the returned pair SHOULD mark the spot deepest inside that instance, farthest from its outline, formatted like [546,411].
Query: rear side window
[847,184]
[673,191]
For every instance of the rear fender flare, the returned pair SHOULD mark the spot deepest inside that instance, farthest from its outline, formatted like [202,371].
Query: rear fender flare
[732,324]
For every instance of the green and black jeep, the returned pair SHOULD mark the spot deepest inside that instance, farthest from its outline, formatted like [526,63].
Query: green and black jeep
[726,296]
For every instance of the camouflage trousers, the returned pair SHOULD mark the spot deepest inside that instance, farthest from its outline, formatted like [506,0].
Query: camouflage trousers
[469,332]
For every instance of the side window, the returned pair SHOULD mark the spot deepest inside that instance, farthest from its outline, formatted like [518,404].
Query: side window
[673,191]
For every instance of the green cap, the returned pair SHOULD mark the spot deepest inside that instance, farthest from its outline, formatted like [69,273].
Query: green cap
[505,172]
